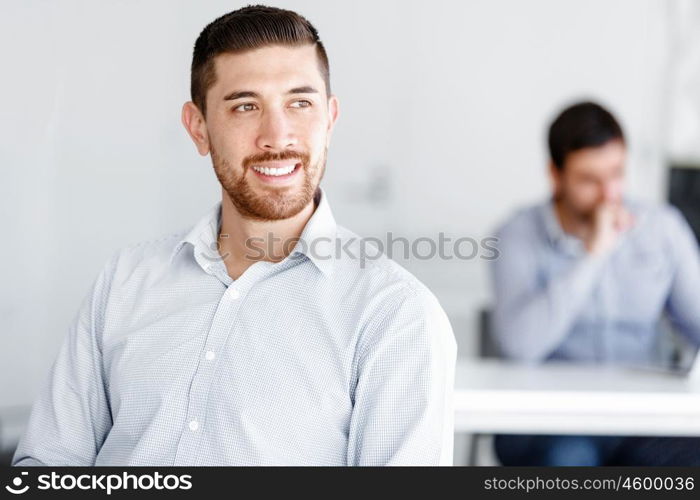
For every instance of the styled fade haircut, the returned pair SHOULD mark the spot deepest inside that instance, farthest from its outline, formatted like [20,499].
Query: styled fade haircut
[583,125]
[249,28]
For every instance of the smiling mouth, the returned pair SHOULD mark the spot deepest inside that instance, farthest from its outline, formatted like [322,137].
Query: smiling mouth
[276,171]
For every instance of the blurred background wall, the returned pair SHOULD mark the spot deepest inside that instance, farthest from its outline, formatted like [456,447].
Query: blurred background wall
[444,107]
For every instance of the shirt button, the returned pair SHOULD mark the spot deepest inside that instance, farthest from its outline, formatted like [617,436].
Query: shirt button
[233,293]
[194,425]
[210,355]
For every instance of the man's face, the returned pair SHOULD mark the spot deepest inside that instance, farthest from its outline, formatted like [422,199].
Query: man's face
[268,127]
[591,176]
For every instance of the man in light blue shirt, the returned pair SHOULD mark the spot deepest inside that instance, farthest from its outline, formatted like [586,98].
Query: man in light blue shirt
[586,276]
[260,336]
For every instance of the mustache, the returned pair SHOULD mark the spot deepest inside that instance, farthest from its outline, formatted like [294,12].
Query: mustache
[302,156]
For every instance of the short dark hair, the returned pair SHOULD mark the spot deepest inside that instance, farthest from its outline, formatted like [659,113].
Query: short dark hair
[582,125]
[249,28]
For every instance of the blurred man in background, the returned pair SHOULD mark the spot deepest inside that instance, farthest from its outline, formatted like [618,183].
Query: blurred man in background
[586,276]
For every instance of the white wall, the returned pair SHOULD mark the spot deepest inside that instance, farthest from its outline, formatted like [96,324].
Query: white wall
[444,106]
[684,42]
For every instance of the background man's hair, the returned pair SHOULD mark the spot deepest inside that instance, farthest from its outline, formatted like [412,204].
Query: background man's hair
[249,28]
[583,125]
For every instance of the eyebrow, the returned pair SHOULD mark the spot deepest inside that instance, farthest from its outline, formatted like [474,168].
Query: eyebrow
[307,89]
[240,94]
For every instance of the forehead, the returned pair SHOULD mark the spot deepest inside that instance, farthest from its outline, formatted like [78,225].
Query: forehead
[610,155]
[268,69]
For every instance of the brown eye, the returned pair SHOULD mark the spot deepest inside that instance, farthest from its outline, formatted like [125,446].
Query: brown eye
[242,108]
[301,104]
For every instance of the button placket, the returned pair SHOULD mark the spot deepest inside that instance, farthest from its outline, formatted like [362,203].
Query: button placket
[222,325]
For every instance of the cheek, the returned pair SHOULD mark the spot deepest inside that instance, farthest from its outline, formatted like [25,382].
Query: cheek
[583,193]
[314,141]
[233,145]
[317,127]
[590,191]
[229,130]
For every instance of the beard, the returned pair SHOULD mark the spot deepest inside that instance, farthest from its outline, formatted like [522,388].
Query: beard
[581,214]
[269,203]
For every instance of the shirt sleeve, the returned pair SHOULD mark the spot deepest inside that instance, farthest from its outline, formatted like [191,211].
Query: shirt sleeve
[403,402]
[531,316]
[683,303]
[71,417]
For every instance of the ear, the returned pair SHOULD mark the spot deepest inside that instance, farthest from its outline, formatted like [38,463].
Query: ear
[195,124]
[333,111]
[555,179]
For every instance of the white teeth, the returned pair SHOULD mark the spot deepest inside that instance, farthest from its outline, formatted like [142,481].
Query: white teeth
[275,171]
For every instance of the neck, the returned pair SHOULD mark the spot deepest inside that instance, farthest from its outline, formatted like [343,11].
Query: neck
[244,241]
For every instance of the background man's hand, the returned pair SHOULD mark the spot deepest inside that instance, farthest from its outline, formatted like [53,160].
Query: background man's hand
[609,221]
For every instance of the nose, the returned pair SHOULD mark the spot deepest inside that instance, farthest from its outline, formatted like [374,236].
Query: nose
[276,132]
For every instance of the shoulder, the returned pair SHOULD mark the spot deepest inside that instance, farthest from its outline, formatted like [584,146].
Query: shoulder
[389,294]
[523,222]
[663,227]
[367,260]
[523,232]
[144,258]
[658,218]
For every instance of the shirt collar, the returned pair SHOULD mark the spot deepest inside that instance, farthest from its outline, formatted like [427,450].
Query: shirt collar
[555,233]
[203,237]
[552,227]
[317,240]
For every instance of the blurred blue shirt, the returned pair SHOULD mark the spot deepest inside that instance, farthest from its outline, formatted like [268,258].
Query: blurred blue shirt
[320,359]
[555,301]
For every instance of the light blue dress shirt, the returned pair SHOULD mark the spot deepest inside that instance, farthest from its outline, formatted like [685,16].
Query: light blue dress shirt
[315,360]
[555,301]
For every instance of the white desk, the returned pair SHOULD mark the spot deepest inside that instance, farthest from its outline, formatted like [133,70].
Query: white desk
[502,397]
